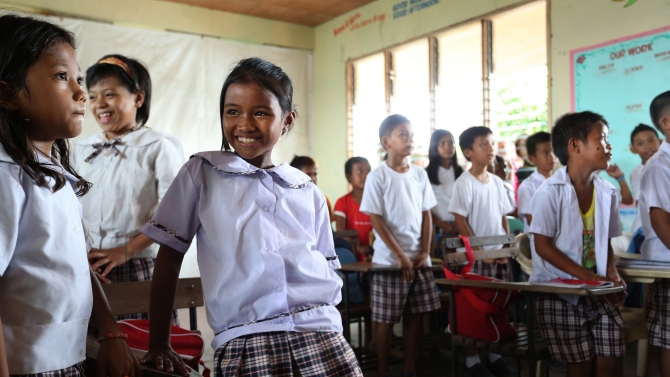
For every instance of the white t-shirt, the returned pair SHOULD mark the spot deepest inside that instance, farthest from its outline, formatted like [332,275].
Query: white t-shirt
[45,285]
[126,188]
[527,189]
[654,193]
[442,193]
[400,199]
[483,204]
[635,177]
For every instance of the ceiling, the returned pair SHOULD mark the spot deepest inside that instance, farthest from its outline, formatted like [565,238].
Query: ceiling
[305,12]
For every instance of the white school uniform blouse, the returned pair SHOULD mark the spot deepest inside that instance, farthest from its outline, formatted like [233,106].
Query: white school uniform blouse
[655,192]
[556,214]
[126,188]
[482,204]
[265,245]
[400,199]
[527,189]
[442,193]
[635,179]
[45,286]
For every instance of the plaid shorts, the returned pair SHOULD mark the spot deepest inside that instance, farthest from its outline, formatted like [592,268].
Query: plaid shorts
[76,370]
[136,269]
[577,333]
[495,270]
[283,354]
[657,310]
[390,294]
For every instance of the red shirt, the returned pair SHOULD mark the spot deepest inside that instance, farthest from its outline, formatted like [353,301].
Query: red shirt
[356,220]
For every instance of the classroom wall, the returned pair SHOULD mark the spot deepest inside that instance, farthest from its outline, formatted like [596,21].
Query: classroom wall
[573,24]
[166,15]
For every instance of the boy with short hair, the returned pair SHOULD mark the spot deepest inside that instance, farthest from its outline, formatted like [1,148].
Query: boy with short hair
[309,166]
[542,156]
[644,142]
[575,214]
[480,204]
[348,215]
[398,197]
[655,214]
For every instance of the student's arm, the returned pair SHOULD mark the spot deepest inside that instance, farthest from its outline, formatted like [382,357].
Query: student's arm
[340,223]
[4,369]
[660,222]
[529,219]
[446,227]
[615,172]
[163,289]
[426,237]
[613,276]
[114,356]
[547,251]
[390,241]
[117,256]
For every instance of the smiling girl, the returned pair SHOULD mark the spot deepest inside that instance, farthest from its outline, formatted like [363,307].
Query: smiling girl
[130,166]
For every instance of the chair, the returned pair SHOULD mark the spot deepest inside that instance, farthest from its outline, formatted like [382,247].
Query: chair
[529,344]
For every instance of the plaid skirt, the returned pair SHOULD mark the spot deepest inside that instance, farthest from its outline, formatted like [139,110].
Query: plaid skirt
[391,295]
[136,269]
[76,370]
[284,354]
[657,310]
[495,270]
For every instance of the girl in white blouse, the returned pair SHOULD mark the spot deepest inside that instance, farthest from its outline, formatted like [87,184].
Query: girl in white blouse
[130,167]
[47,293]
[265,246]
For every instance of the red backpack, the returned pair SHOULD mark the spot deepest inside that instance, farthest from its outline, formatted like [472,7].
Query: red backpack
[481,313]
[188,344]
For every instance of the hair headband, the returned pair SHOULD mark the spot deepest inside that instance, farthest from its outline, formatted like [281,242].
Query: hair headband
[117,62]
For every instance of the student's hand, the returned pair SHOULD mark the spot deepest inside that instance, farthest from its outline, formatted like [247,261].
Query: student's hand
[108,258]
[614,277]
[501,260]
[166,359]
[101,279]
[406,267]
[614,171]
[420,261]
[116,360]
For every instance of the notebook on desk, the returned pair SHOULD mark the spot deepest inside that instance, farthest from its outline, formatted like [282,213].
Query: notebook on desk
[574,283]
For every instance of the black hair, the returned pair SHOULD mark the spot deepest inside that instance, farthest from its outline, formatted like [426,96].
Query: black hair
[391,123]
[641,128]
[659,107]
[572,126]
[434,159]
[266,75]
[349,165]
[300,162]
[535,139]
[24,40]
[137,80]
[467,139]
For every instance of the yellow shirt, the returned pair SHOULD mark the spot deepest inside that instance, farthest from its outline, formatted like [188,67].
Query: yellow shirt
[589,245]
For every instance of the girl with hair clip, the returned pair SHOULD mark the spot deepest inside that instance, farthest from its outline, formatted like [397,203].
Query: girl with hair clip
[265,245]
[443,170]
[130,166]
[47,293]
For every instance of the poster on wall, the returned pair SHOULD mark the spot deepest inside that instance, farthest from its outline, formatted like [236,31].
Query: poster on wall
[618,79]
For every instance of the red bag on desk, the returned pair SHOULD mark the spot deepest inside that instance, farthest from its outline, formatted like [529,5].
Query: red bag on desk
[188,344]
[481,313]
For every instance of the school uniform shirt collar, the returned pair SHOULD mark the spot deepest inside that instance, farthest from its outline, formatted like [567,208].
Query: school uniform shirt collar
[51,164]
[230,163]
[138,138]
[665,148]
[537,177]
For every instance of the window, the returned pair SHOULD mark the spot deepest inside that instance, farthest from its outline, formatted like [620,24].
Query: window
[491,71]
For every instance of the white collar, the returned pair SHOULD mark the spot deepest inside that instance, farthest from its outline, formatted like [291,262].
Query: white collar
[137,138]
[561,177]
[52,164]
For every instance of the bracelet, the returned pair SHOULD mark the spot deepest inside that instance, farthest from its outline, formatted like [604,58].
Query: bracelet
[620,179]
[114,335]
[125,250]
[596,277]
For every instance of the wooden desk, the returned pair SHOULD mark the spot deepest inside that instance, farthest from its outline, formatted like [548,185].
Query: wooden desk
[529,287]
[643,275]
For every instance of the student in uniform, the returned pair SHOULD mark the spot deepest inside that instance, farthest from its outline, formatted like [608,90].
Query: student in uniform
[348,215]
[480,204]
[575,214]
[644,142]
[309,166]
[47,290]
[398,198]
[443,170]
[655,215]
[130,166]
[542,156]
[265,246]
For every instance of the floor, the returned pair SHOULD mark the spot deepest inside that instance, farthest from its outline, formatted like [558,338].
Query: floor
[435,364]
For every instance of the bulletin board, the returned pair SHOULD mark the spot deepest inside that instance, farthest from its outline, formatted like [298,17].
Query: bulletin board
[618,79]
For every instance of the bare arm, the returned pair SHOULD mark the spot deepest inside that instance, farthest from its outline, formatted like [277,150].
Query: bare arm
[626,195]
[547,251]
[117,256]
[4,369]
[660,222]
[529,219]
[390,241]
[505,224]
[446,227]
[426,238]
[340,223]
[163,289]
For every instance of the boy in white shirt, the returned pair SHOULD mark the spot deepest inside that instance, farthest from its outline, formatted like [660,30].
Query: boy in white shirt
[480,204]
[398,197]
[542,156]
[644,142]
[575,214]
[655,214]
